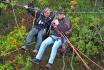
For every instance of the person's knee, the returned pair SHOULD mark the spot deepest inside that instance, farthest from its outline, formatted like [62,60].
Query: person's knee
[40,35]
[42,32]
[54,48]
[31,32]
[34,29]
[39,38]
[44,43]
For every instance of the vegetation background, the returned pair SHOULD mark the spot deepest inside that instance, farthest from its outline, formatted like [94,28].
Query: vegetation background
[87,18]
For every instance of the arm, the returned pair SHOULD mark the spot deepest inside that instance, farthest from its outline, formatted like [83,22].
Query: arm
[69,31]
[65,26]
[30,10]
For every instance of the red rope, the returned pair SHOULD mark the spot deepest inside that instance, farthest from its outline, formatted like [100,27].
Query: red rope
[76,50]
[62,35]
[90,59]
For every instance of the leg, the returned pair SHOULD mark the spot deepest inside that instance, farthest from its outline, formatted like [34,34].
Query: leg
[55,47]
[40,35]
[29,37]
[43,46]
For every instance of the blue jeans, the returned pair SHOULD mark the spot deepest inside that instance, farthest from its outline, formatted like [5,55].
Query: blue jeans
[57,42]
[33,32]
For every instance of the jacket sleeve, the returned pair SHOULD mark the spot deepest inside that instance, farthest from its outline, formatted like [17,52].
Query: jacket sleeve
[31,11]
[67,24]
[69,28]
[65,27]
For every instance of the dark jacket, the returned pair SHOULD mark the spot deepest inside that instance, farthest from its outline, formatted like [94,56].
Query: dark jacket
[40,21]
[64,25]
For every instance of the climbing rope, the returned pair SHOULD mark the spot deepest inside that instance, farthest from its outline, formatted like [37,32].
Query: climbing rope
[71,64]
[12,4]
[76,51]
[83,12]
[67,40]
[15,18]
[90,59]
[63,60]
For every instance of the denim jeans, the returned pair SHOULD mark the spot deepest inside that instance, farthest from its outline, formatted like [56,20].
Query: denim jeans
[33,32]
[57,42]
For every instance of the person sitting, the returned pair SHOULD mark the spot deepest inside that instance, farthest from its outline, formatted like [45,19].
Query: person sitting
[64,25]
[41,25]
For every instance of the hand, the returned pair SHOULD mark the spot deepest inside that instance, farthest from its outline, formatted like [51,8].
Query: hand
[53,24]
[56,22]
[26,6]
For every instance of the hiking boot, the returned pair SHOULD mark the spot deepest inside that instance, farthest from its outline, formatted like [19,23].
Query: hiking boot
[35,61]
[35,51]
[48,66]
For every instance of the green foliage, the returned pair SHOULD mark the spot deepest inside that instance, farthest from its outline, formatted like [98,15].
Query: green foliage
[3,6]
[6,66]
[88,40]
[88,28]
[25,65]
[13,40]
[6,22]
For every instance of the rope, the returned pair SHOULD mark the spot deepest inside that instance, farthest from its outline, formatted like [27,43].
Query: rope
[75,50]
[12,4]
[14,14]
[16,18]
[62,35]
[79,56]
[82,12]
[65,37]
[90,59]
[63,60]
[72,62]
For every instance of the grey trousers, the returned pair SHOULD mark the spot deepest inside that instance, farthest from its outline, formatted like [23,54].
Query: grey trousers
[33,32]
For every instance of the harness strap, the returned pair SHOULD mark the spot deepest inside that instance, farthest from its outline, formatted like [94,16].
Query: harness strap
[52,38]
[57,39]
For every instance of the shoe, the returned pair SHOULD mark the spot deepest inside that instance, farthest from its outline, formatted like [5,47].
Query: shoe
[48,66]
[35,51]
[35,61]
[24,48]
